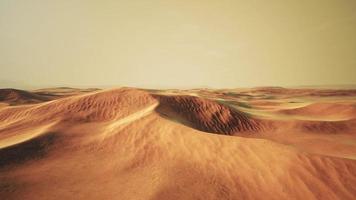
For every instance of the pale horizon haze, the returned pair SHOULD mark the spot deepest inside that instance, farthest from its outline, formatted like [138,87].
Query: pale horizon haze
[177,44]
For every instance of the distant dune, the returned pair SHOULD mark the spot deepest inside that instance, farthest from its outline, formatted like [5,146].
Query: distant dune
[127,143]
[14,96]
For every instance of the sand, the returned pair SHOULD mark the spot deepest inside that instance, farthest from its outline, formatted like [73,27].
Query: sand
[128,143]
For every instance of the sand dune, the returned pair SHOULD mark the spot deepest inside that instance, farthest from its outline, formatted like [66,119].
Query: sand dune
[130,143]
[332,110]
[207,115]
[14,96]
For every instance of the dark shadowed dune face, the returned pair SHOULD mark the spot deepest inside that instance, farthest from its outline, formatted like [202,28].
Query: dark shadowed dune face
[26,151]
[126,143]
[14,96]
[207,115]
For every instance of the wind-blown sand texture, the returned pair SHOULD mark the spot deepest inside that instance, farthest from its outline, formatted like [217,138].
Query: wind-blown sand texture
[127,143]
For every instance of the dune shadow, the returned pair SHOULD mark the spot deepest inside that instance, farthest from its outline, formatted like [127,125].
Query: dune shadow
[206,115]
[35,148]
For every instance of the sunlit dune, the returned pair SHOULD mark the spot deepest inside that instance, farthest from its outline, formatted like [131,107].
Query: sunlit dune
[127,143]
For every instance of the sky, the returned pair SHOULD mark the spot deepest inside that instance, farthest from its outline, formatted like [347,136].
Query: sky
[177,44]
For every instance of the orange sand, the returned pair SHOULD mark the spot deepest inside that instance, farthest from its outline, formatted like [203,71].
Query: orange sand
[195,144]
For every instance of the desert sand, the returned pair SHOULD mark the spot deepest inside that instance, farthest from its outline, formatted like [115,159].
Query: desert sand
[128,143]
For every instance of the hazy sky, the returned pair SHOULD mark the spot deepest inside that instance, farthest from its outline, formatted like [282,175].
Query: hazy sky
[162,43]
